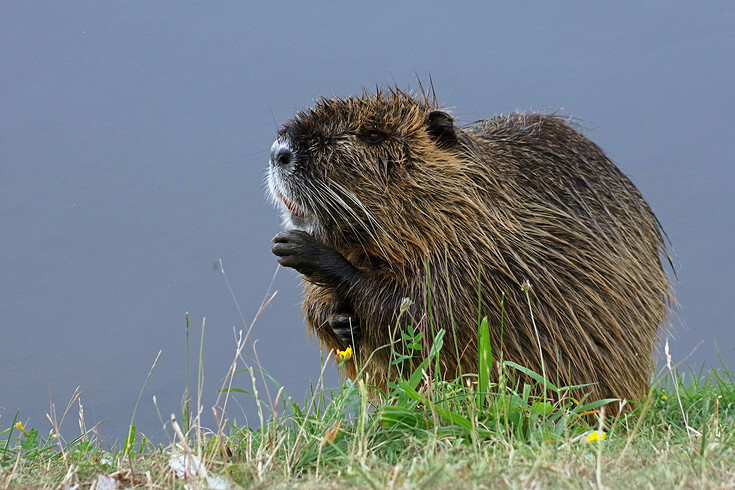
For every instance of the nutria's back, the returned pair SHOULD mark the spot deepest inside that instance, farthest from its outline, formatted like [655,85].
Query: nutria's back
[385,195]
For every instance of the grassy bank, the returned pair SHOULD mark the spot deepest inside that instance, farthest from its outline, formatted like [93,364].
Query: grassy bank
[421,433]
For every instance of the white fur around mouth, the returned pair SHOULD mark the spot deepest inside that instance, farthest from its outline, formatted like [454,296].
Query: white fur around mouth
[293,214]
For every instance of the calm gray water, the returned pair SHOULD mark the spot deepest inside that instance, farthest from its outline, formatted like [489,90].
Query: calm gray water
[134,139]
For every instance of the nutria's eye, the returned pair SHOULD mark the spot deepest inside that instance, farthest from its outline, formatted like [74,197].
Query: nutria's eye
[372,137]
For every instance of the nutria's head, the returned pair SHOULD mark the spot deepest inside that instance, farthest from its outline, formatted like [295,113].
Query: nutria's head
[366,170]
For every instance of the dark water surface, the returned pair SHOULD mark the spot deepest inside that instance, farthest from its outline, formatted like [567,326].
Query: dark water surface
[134,139]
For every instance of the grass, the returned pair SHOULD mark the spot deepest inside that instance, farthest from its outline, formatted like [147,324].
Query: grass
[422,432]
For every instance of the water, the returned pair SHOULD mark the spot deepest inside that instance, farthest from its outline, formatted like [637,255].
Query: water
[134,141]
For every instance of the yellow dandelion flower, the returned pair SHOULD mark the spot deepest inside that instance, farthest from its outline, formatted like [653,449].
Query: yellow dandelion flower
[596,435]
[664,397]
[331,434]
[344,355]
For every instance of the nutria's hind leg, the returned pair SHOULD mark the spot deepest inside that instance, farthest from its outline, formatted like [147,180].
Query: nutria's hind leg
[346,327]
[331,318]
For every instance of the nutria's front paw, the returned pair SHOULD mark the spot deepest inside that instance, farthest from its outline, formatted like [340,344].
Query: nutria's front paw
[346,328]
[318,263]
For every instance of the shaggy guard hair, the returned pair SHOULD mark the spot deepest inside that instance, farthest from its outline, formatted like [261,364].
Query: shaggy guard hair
[444,215]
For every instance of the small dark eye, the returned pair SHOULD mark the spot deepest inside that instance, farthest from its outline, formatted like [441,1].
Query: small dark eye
[372,137]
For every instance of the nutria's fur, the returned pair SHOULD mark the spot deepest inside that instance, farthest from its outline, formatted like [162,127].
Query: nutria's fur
[385,195]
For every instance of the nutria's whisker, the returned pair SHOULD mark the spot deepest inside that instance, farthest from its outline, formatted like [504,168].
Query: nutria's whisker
[347,215]
[374,225]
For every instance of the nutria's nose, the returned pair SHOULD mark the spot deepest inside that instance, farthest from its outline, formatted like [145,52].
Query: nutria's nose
[281,154]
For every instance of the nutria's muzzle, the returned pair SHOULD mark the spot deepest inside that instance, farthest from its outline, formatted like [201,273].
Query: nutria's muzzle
[280,173]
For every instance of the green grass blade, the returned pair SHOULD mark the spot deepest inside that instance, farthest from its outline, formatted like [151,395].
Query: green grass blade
[131,434]
[533,375]
[485,358]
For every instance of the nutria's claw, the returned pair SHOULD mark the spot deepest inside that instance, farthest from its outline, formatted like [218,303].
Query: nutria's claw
[346,327]
[318,263]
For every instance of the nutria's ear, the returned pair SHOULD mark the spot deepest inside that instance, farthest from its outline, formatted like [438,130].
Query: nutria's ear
[441,128]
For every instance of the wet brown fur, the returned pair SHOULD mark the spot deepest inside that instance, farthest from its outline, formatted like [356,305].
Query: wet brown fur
[522,197]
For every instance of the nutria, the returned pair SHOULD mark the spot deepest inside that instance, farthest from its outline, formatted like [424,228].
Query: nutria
[385,197]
